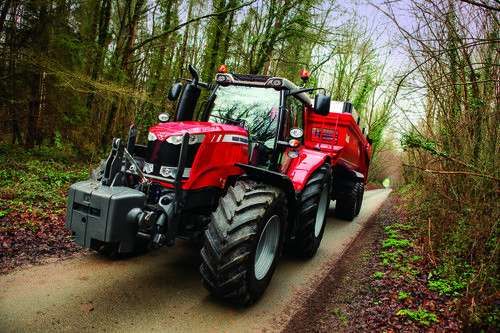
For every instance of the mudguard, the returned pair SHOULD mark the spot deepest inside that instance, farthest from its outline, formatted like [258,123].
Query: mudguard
[302,167]
[345,171]
[270,177]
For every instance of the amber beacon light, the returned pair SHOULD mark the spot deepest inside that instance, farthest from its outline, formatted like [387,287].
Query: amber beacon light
[222,69]
[304,74]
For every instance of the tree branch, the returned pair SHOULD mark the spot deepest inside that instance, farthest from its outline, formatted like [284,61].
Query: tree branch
[194,19]
[481,4]
[447,172]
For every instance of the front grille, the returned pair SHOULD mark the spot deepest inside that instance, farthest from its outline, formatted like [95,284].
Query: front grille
[250,78]
[162,153]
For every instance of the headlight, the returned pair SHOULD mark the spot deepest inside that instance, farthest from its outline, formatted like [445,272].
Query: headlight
[167,171]
[175,139]
[296,133]
[163,117]
[152,137]
[148,167]
[193,139]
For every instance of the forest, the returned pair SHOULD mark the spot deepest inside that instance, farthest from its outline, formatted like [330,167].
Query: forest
[101,65]
[75,74]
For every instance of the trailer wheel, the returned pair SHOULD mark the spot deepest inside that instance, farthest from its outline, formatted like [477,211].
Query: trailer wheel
[361,192]
[347,202]
[243,242]
[312,210]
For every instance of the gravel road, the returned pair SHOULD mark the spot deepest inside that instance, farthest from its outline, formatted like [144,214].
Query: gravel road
[162,291]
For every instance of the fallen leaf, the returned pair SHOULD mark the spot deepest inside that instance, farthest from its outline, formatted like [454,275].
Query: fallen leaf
[87,307]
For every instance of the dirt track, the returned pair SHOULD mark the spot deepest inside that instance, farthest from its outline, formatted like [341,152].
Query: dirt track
[161,290]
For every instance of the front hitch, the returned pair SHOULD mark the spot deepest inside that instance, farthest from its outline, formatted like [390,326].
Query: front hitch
[110,212]
[172,205]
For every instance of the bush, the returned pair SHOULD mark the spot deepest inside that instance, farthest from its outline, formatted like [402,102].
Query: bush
[37,178]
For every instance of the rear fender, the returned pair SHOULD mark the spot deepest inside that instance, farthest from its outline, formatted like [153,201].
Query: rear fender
[302,167]
[345,172]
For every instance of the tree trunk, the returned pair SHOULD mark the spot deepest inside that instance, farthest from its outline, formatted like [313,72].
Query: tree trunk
[132,34]
[125,66]
[3,13]
[214,43]
[104,19]
[159,63]
[41,35]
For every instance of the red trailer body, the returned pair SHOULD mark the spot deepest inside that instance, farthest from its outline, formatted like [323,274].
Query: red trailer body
[339,135]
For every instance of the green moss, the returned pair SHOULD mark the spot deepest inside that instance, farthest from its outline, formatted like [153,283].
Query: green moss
[402,295]
[395,243]
[340,315]
[420,316]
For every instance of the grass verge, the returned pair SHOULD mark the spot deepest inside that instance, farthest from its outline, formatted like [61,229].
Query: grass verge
[33,187]
[381,284]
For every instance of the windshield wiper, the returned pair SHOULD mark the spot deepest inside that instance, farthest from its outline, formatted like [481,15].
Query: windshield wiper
[236,122]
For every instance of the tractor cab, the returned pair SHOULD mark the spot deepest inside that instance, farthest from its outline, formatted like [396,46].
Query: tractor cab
[270,109]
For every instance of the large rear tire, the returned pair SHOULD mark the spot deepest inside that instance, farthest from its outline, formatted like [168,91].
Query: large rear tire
[312,211]
[346,207]
[243,242]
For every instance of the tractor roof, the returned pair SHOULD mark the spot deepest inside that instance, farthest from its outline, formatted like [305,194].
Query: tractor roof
[252,80]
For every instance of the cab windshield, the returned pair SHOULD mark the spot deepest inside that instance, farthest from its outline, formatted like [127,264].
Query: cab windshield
[253,108]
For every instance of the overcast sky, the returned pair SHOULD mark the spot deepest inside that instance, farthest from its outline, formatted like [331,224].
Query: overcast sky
[388,41]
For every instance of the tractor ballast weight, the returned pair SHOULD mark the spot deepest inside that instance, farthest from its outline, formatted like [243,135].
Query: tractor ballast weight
[104,214]
[252,173]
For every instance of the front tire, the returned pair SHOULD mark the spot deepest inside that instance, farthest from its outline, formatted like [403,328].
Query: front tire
[243,242]
[312,211]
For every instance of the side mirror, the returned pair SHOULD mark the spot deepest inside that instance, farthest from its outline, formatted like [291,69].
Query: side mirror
[175,91]
[322,104]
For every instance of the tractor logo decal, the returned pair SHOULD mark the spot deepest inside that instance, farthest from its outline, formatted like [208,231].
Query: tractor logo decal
[235,139]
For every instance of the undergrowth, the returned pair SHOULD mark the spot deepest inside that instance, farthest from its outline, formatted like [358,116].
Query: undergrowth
[33,189]
[461,252]
[421,316]
[401,264]
[38,178]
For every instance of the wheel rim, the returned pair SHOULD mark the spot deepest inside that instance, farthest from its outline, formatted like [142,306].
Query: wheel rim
[267,247]
[321,213]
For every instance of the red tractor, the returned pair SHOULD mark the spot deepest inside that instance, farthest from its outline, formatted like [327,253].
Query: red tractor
[254,172]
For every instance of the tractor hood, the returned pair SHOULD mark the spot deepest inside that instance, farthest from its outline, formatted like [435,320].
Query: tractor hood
[165,130]
[222,145]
